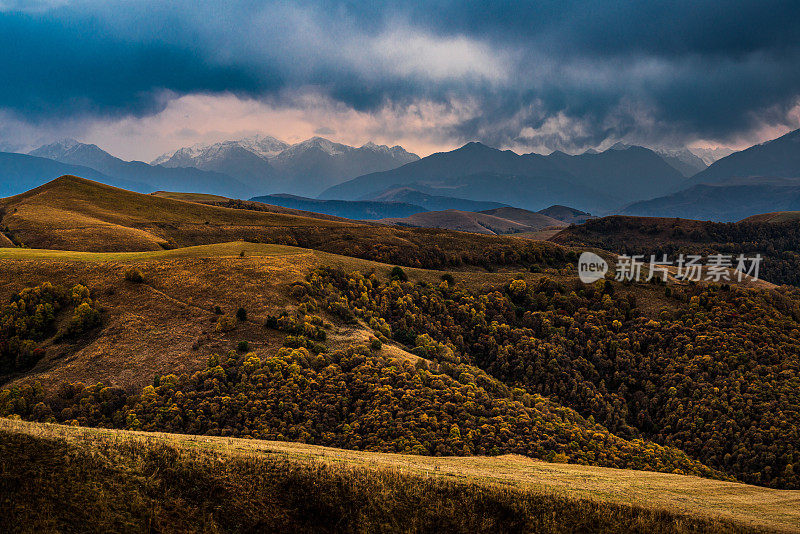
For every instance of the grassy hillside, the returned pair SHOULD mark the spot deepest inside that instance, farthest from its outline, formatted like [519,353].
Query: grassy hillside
[126,481]
[191,197]
[462,221]
[279,342]
[536,221]
[566,214]
[75,214]
[167,323]
[774,217]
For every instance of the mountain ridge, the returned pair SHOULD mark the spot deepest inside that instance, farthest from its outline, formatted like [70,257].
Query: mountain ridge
[187,179]
[274,166]
[531,181]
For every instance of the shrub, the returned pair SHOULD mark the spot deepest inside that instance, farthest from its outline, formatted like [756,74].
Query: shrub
[132,274]
[397,273]
[243,346]
[226,323]
[241,314]
[85,318]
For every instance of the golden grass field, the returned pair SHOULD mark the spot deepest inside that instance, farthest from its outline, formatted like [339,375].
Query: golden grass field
[750,506]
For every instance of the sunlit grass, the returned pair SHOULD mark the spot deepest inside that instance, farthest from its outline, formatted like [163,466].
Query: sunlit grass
[571,496]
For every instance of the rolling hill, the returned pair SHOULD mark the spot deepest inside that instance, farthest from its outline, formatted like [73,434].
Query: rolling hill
[431,202]
[566,214]
[351,209]
[775,237]
[444,491]
[359,355]
[72,213]
[462,221]
[534,220]
[774,217]
[76,214]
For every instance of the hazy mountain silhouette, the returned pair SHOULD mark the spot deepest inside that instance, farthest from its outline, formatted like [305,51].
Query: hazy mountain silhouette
[157,177]
[21,172]
[779,158]
[475,171]
[269,165]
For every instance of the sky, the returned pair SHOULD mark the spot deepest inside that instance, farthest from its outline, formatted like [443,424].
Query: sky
[140,78]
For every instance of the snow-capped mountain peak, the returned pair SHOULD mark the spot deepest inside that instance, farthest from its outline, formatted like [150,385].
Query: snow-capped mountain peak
[265,146]
[326,145]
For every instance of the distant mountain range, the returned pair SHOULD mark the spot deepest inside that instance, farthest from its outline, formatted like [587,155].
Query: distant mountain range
[779,158]
[683,160]
[400,202]
[269,165]
[240,169]
[725,202]
[377,181]
[710,155]
[21,172]
[762,178]
[592,182]
[151,177]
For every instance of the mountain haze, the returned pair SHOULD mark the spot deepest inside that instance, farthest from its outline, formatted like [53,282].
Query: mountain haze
[779,158]
[625,173]
[156,177]
[683,160]
[475,171]
[725,202]
[21,172]
[269,165]
[431,202]
[350,209]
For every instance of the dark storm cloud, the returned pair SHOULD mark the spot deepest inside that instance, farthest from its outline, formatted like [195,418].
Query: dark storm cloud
[558,74]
